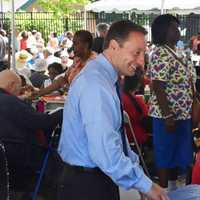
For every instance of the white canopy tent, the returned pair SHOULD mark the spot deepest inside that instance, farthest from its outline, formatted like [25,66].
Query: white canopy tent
[146,6]
[6,6]
[143,5]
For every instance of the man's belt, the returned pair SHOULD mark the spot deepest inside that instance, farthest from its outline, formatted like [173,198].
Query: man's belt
[82,169]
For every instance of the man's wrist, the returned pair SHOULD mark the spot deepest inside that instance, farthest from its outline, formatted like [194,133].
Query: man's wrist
[144,185]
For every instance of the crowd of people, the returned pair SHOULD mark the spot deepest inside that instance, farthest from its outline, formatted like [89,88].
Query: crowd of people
[101,77]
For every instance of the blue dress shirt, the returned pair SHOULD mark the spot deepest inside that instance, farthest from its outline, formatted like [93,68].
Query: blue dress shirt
[90,134]
[189,192]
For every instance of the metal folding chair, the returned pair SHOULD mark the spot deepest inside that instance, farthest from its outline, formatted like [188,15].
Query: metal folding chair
[4,174]
[128,122]
[45,162]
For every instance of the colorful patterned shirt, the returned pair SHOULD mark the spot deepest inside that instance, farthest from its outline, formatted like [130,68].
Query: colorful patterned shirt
[176,76]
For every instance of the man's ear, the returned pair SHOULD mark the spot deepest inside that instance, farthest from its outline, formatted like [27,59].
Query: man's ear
[11,86]
[114,45]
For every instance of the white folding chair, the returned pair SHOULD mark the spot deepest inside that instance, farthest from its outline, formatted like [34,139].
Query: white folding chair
[128,122]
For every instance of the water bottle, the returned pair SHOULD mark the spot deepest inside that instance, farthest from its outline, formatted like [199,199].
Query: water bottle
[147,93]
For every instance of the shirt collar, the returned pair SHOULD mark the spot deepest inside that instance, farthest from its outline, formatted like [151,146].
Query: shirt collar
[108,67]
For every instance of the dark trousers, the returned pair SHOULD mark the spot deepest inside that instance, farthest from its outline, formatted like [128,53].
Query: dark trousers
[76,184]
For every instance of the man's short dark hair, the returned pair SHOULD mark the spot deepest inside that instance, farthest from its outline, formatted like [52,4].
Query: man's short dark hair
[160,26]
[120,31]
[85,36]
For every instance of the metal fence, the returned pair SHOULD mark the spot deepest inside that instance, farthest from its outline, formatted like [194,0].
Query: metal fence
[47,22]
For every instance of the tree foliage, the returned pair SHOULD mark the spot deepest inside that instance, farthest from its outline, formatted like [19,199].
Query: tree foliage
[61,7]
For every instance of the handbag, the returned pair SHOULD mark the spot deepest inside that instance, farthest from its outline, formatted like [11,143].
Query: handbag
[195,112]
[146,121]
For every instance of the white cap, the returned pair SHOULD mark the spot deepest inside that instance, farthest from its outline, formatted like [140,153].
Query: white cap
[40,65]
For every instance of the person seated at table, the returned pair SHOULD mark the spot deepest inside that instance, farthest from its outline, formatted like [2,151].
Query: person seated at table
[82,45]
[196,165]
[20,124]
[195,40]
[54,71]
[65,60]
[136,108]
[48,54]
[38,76]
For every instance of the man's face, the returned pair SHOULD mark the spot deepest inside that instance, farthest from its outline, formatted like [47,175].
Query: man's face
[52,73]
[79,47]
[173,34]
[45,54]
[129,55]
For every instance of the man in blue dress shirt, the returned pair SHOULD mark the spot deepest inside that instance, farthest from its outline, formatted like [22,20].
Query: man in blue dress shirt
[91,146]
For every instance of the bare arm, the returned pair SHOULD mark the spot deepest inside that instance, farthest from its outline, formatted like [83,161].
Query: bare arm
[57,84]
[158,87]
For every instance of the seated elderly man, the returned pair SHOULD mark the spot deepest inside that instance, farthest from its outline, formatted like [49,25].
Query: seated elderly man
[19,124]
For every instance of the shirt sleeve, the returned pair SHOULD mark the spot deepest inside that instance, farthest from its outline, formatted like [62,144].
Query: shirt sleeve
[160,65]
[26,117]
[101,120]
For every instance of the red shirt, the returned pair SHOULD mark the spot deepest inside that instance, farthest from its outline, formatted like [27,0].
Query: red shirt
[135,118]
[196,171]
[23,44]
[146,80]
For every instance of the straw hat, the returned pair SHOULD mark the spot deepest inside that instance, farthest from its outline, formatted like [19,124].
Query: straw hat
[21,58]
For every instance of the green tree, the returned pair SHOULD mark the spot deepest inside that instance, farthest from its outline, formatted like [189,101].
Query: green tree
[61,7]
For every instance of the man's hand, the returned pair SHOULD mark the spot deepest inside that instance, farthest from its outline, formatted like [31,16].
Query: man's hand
[157,193]
[35,93]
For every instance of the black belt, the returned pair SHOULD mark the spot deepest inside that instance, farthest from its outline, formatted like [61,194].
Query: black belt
[82,169]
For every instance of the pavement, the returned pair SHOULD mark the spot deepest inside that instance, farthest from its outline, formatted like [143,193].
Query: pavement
[129,195]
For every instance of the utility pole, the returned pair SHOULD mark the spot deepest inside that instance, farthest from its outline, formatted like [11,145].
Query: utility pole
[1,13]
[13,36]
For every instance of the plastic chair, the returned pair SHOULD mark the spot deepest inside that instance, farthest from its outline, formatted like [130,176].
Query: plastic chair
[128,122]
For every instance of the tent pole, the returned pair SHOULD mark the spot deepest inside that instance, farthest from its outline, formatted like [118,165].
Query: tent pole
[129,15]
[13,36]
[85,19]
[162,6]
[2,14]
